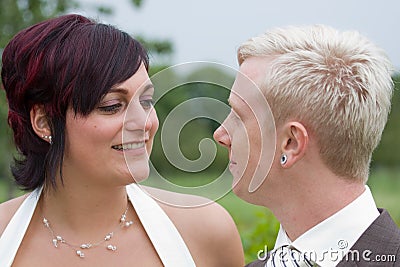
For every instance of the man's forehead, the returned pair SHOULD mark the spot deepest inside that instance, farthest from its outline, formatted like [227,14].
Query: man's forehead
[247,89]
[256,67]
[246,86]
[246,93]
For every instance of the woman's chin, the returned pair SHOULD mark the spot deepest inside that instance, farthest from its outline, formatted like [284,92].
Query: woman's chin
[139,176]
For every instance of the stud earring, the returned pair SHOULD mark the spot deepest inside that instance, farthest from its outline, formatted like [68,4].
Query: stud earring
[283,159]
[48,137]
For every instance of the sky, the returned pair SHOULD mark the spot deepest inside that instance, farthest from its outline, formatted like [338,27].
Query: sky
[212,30]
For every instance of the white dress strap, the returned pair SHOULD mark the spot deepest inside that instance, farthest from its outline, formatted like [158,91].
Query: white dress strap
[12,236]
[166,239]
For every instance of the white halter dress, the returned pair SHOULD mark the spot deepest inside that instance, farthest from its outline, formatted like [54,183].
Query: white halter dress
[166,239]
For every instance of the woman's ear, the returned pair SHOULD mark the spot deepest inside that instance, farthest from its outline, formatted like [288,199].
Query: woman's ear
[294,143]
[40,123]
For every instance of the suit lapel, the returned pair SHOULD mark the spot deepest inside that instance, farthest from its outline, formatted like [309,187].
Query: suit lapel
[382,237]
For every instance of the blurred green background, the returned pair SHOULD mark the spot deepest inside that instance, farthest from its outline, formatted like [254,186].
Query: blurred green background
[257,225]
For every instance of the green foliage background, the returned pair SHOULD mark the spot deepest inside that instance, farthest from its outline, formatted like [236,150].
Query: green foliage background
[385,155]
[257,225]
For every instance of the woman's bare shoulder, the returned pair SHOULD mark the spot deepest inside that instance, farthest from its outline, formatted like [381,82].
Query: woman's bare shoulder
[8,209]
[207,228]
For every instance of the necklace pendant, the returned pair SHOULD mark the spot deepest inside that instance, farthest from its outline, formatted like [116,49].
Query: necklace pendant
[127,224]
[112,248]
[123,218]
[86,246]
[58,239]
[80,254]
[46,222]
[108,237]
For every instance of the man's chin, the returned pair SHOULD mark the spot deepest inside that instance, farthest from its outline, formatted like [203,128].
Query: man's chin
[241,190]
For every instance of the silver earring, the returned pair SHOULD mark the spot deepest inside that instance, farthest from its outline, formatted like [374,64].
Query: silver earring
[283,159]
[48,137]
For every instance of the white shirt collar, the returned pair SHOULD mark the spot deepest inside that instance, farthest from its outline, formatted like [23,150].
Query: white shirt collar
[329,241]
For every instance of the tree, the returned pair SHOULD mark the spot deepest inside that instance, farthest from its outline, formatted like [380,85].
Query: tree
[384,156]
[16,15]
[190,108]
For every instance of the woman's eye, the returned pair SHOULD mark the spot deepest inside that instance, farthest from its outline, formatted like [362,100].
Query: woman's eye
[111,108]
[147,103]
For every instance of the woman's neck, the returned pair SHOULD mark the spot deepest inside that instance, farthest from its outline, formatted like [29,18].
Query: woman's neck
[83,212]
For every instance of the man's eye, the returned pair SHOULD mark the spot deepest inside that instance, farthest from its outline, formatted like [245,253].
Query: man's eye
[148,103]
[234,114]
[111,108]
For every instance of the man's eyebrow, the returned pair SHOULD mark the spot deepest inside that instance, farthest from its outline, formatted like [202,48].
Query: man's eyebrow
[232,101]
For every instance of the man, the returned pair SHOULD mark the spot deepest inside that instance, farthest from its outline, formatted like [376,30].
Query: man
[306,155]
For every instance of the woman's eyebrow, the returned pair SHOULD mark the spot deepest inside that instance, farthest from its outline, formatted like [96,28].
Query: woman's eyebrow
[118,90]
[125,91]
[148,87]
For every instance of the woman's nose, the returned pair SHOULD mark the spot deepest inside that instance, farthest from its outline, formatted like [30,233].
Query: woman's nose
[137,118]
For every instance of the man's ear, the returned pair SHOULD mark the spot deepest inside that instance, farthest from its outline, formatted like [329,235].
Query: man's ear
[40,123]
[294,144]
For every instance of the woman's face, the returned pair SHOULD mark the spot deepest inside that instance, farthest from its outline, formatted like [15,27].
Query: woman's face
[118,133]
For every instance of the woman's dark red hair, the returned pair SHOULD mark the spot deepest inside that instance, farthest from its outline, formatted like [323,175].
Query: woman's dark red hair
[68,61]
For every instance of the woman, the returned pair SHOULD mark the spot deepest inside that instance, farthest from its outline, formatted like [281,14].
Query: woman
[68,82]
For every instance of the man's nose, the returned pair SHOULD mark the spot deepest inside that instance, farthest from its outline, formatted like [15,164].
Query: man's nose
[222,137]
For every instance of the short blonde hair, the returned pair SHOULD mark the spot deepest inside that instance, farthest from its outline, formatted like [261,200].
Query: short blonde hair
[338,84]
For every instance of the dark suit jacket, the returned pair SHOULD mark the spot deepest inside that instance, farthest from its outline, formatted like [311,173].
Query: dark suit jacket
[380,241]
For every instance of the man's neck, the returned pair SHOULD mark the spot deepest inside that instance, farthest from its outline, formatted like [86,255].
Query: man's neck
[307,208]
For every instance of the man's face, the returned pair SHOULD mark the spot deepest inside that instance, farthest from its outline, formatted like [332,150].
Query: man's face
[249,131]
